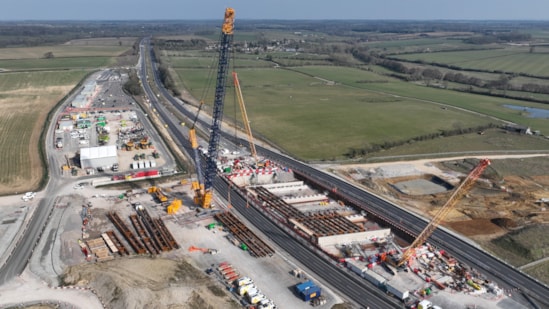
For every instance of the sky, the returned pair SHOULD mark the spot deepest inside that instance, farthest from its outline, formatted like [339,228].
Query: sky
[274,9]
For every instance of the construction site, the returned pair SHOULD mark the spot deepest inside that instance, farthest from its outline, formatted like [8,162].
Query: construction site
[188,231]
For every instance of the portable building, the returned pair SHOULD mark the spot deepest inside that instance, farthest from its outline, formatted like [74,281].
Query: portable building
[94,157]
[310,293]
[373,277]
[300,287]
[66,125]
[307,290]
[357,266]
[399,290]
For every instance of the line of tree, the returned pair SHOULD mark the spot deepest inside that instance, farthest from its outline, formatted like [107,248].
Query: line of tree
[132,86]
[499,37]
[359,152]
[180,44]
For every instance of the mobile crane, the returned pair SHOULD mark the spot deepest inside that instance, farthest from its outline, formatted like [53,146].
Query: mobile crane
[444,210]
[245,116]
[204,183]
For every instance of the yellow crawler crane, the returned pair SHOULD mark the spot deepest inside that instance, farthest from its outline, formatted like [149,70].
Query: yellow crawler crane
[444,210]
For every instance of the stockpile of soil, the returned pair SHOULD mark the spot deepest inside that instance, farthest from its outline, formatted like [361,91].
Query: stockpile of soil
[150,283]
[505,223]
[475,227]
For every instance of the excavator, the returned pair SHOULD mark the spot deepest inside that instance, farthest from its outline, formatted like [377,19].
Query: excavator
[204,184]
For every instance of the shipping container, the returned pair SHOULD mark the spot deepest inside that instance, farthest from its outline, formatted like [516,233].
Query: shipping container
[357,266]
[151,173]
[310,293]
[399,291]
[373,277]
[300,287]
[138,174]
[230,274]
[307,290]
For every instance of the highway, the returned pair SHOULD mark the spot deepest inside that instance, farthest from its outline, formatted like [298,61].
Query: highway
[535,293]
[504,274]
[360,291]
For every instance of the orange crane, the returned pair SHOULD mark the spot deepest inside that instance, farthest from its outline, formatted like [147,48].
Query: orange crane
[244,116]
[463,188]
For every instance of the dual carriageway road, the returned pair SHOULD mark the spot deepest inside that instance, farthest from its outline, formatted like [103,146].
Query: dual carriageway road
[534,293]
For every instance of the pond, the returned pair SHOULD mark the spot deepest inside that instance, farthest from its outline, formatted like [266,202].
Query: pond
[531,112]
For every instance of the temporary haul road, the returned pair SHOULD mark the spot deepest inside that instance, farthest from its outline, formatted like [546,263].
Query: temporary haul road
[350,285]
[534,293]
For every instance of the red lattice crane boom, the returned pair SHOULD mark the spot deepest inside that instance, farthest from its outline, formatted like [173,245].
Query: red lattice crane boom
[463,188]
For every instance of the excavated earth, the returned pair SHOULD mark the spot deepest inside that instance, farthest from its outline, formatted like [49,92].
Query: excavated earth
[150,283]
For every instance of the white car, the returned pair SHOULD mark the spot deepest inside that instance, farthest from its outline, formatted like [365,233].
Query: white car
[76,187]
[28,196]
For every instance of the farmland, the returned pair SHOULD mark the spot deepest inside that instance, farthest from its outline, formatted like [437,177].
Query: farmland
[319,115]
[26,98]
[375,108]
[30,87]
[509,59]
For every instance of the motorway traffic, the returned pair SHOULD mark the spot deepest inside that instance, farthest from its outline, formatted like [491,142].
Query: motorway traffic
[534,293]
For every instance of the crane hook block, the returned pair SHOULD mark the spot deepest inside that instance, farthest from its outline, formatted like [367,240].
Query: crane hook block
[228,24]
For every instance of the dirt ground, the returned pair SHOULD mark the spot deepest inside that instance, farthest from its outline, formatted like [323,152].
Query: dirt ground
[165,284]
[494,206]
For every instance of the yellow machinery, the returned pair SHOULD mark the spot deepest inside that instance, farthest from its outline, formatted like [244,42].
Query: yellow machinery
[129,146]
[244,116]
[158,193]
[67,166]
[444,210]
[174,206]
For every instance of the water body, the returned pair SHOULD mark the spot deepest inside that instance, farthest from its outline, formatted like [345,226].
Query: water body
[531,111]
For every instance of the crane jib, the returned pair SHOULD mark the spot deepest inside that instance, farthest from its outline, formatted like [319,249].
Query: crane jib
[217,114]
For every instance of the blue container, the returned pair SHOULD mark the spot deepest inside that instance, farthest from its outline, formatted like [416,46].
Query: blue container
[301,287]
[311,293]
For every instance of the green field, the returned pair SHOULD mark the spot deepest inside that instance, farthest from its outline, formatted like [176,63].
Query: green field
[314,120]
[485,105]
[56,63]
[62,51]
[494,141]
[522,246]
[364,107]
[509,59]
